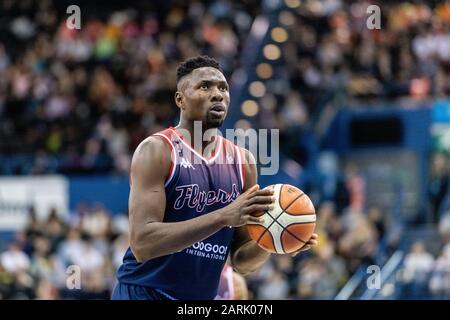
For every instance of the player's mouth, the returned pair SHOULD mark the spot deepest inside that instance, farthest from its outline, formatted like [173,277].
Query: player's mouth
[217,110]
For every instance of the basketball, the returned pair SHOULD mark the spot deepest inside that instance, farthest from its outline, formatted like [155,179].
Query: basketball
[289,225]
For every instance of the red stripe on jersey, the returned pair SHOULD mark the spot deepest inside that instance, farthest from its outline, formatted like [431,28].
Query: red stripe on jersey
[242,167]
[166,137]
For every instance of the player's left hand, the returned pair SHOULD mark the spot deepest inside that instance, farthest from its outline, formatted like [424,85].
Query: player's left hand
[308,245]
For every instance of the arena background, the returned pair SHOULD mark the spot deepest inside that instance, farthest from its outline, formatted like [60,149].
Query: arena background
[363,114]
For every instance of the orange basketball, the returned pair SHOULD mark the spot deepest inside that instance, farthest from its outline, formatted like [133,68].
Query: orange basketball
[289,225]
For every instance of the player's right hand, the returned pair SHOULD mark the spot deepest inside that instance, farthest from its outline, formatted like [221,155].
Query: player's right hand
[239,212]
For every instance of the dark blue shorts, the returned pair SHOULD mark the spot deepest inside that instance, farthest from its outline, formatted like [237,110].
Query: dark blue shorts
[123,291]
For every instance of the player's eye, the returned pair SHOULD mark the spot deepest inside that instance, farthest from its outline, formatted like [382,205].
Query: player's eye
[223,89]
[204,86]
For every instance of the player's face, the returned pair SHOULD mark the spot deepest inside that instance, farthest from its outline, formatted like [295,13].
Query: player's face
[206,97]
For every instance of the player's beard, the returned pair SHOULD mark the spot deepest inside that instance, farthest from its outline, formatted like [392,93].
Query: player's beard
[212,123]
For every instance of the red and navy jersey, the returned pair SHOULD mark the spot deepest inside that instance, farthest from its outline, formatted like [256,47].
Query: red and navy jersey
[195,186]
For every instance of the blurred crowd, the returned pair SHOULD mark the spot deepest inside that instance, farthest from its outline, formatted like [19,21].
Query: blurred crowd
[332,50]
[38,262]
[58,259]
[331,59]
[79,101]
[426,274]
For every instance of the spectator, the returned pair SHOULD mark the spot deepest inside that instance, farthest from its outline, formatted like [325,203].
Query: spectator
[275,287]
[418,261]
[88,258]
[438,185]
[14,260]
[418,265]
[439,284]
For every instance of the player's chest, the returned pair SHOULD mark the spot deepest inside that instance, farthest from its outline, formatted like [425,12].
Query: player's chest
[200,188]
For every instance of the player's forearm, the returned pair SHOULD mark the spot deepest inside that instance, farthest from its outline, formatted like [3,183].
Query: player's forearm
[157,239]
[249,258]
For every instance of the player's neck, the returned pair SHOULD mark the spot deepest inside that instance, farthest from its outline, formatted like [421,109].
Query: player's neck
[212,136]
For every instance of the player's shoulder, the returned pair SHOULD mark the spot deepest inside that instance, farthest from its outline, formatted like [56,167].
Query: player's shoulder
[247,155]
[151,160]
[154,146]
[150,144]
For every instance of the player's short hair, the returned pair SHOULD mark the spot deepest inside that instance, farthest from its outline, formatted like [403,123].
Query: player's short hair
[186,67]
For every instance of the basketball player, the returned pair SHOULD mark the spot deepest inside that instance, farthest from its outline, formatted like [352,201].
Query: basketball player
[188,207]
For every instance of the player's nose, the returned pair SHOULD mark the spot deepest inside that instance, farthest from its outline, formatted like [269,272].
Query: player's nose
[216,95]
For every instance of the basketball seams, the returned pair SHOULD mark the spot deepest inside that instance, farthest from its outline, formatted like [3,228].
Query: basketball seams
[285,222]
[298,215]
[300,223]
[285,229]
[271,239]
[305,204]
[267,228]
[281,236]
[279,195]
[292,234]
[293,201]
[282,211]
[295,223]
[277,186]
[278,245]
[258,226]
[273,219]
[290,204]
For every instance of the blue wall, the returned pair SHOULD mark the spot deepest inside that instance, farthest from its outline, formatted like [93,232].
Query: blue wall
[416,137]
[111,191]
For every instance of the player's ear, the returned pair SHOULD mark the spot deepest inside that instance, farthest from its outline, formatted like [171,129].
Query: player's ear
[179,99]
